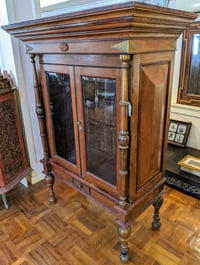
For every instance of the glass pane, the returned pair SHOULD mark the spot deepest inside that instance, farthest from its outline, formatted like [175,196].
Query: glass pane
[62,118]
[100,127]
[194,78]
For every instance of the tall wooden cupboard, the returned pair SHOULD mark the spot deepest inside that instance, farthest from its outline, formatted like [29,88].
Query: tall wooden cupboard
[102,81]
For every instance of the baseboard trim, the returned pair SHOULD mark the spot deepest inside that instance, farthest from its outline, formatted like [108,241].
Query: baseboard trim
[35,177]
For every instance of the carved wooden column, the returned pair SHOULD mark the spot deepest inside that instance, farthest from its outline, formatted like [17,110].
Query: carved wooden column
[124,234]
[124,231]
[123,132]
[156,217]
[43,133]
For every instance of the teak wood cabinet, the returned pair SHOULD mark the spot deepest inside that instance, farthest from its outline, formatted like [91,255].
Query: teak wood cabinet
[102,81]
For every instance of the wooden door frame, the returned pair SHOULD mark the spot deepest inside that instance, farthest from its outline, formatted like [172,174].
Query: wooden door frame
[62,69]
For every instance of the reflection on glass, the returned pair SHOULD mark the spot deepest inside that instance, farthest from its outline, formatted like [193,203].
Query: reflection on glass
[196,44]
[194,78]
[62,118]
[100,126]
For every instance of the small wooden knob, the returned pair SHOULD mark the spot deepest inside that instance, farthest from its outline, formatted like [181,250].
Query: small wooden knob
[64,47]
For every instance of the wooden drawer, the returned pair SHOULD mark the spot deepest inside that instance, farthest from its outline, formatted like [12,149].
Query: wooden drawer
[81,186]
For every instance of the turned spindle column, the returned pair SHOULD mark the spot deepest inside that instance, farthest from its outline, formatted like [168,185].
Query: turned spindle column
[124,231]
[123,132]
[156,217]
[43,133]
[124,234]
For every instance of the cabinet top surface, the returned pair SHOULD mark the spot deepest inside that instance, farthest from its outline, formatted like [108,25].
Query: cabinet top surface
[120,21]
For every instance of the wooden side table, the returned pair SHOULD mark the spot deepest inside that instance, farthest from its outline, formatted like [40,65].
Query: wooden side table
[13,161]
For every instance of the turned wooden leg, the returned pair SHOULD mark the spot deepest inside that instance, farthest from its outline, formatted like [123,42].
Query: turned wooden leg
[156,217]
[4,200]
[124,233]
[50,182]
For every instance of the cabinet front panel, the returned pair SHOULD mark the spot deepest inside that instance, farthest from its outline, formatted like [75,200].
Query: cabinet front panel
[59,99]
[152,112]
[98,101]
[61,111]
[99,106]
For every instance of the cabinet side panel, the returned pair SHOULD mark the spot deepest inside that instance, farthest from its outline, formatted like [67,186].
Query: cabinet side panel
[151,123]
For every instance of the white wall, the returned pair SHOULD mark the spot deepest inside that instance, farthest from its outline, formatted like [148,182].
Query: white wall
[188,5]
[7,62]
[17,63]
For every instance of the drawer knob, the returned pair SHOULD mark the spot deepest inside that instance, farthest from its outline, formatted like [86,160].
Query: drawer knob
[64,47]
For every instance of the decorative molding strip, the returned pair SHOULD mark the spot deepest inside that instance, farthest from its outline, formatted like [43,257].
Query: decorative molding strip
[134,20]
[189,111]
[183,185]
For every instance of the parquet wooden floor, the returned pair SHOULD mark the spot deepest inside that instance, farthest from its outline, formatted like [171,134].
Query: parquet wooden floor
[78,231]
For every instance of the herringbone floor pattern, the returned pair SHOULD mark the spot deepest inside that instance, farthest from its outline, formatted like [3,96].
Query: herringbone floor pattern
[78,231]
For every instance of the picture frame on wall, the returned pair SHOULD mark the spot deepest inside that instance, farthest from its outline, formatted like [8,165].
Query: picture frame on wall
[178,132]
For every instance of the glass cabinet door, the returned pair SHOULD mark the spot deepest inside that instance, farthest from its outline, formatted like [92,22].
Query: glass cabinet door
[98,98]
[61,115]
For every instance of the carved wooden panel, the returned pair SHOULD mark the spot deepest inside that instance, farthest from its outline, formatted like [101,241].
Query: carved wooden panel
[152,102]
[12,156]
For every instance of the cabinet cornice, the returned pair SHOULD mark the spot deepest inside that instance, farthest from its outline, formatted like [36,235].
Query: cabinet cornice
[127,20]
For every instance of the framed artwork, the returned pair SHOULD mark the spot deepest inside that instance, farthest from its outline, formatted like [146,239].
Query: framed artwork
[190,164]
[178,132]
